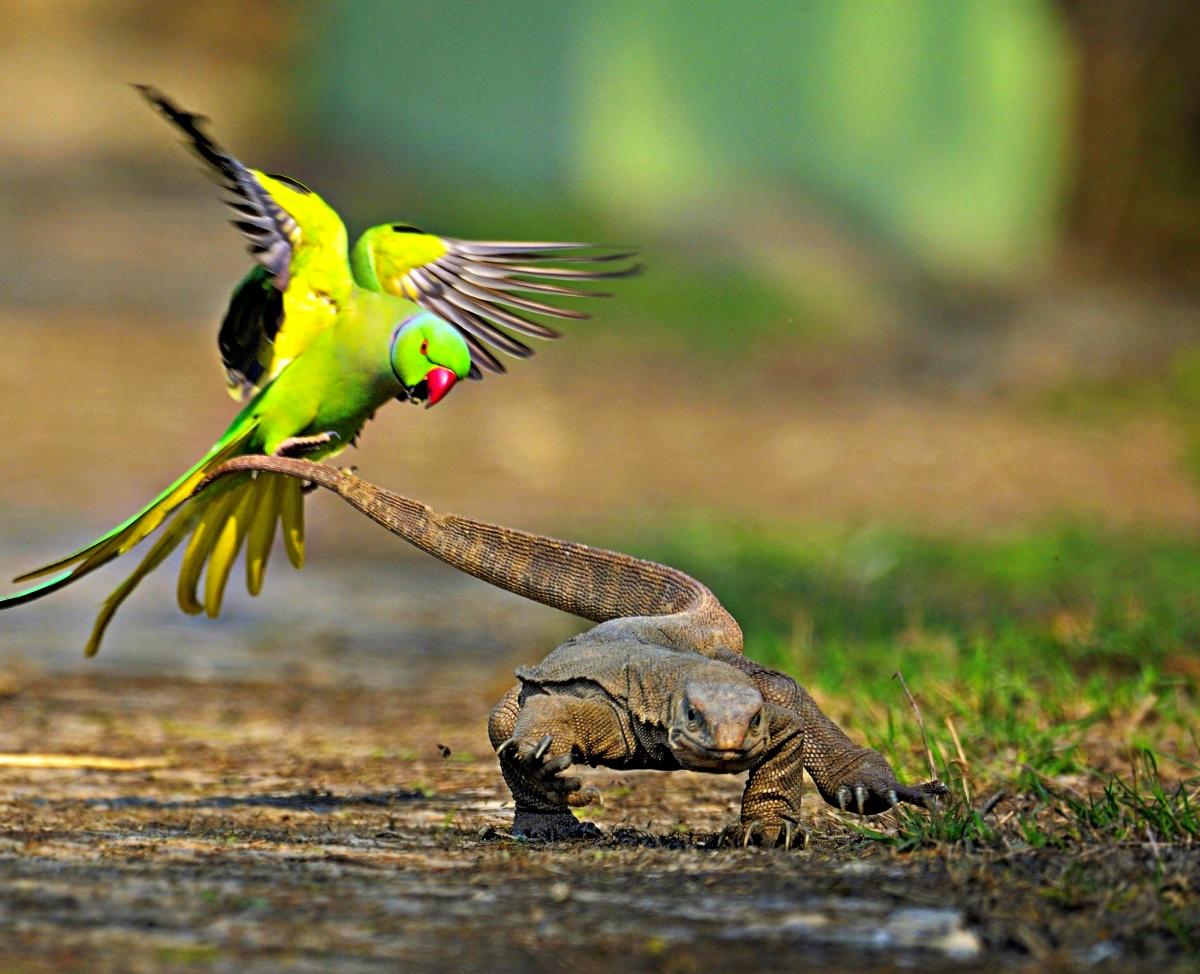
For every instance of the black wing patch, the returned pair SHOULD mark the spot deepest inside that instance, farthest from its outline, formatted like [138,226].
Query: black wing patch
[255,314]
[269,228]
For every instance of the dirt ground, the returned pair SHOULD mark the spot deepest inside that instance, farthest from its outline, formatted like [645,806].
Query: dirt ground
[355,828]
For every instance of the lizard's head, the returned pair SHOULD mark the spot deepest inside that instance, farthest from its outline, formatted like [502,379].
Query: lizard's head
[718,727]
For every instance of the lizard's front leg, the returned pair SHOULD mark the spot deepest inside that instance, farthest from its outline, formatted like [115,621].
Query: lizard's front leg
[846,775]
[548,734]
[771,801]
[851,777]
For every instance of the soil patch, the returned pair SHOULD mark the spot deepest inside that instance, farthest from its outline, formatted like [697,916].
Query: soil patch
[328,827]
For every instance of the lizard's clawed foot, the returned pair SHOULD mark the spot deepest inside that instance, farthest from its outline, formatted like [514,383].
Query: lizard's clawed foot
[782,834]
[872,788]
[552,826]
[533,760]
[587,795]
[299,446]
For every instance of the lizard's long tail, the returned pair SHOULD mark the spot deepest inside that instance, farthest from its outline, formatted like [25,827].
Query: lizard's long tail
[588,582]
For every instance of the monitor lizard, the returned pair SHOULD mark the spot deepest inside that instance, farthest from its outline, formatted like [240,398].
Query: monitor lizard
[652,621]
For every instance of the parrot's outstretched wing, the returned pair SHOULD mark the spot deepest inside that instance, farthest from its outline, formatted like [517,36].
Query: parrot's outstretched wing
[482,287]
[299,244]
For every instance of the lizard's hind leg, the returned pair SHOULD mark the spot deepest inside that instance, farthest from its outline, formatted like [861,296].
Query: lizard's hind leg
[548,735]
[503,718]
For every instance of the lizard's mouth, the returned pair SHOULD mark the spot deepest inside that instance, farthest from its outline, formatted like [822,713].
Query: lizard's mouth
[693,753]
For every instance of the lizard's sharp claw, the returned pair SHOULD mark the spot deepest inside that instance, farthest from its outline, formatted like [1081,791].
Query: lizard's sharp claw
[543,746]
[557,764]
[860,798]
[892,798]
[506,746]
[843,797]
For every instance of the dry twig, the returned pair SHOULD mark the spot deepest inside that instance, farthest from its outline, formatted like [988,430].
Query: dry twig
[921,724]
[93,762]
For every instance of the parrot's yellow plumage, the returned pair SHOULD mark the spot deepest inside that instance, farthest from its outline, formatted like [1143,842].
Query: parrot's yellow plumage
[318,338]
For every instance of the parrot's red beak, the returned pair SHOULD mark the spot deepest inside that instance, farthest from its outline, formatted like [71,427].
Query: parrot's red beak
[439,381]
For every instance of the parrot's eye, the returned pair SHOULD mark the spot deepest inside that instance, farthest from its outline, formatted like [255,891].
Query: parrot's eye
[425,347]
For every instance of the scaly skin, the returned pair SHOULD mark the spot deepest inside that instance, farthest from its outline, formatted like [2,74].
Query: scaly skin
[630,704]
[637,603]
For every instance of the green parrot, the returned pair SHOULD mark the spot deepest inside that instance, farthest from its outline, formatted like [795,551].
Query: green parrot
[318,338]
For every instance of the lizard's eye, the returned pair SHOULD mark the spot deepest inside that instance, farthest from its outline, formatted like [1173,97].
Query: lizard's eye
[756,721]
[693,718]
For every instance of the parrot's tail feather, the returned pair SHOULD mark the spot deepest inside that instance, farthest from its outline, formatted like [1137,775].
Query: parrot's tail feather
[218,520]
[291,512]
[154,557]
[261,533]
[209,523]
[225,550]
[127,534]
[61,580]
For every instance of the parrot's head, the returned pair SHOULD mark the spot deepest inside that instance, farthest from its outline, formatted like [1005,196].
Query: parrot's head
[428,357]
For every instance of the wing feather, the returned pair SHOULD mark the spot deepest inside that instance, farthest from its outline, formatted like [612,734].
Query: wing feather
[269,228]
[469,287]
[280,219]
[499,280]
[482,286]
[484,304]
[471,324]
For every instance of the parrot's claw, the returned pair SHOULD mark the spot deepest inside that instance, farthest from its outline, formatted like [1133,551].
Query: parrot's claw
[299,446]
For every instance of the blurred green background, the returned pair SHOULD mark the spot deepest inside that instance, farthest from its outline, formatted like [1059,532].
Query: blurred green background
[923,281]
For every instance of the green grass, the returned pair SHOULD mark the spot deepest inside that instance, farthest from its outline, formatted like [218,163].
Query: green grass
[1065,661]
[1057,675]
